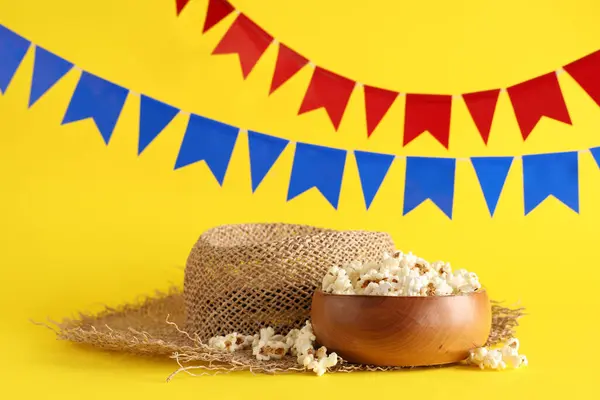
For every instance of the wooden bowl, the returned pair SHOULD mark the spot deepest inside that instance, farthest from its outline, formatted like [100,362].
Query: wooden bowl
[401,331]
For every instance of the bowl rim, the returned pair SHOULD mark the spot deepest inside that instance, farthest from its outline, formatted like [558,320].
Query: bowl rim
[369,296]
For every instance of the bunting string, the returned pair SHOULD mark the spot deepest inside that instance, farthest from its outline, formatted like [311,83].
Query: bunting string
[319,167]
[531,100]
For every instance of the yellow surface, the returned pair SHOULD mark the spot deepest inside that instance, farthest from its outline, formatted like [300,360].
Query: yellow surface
[83,224]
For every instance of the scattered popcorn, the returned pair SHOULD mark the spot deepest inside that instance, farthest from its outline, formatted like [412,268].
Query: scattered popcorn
[269,346]
[498,359]
[231,342]
[399,274]
[320,365]
[290,340]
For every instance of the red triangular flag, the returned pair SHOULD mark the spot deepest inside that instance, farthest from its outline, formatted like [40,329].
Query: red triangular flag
[180,5]
[586,71]
[247,40]
[428,112]
[288,64]
[536,98]
[482,106]
[377,103]
[217,10]
[330,91]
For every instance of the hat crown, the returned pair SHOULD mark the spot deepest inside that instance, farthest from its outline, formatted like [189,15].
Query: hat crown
[242,277]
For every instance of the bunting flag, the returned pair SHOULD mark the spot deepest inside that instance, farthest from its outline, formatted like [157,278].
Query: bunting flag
[264,152]
[491,173]
[180,5]
[372,169]
[288,64]
[553,174]
[317,167]
[314,166]
[586,72]
[209,141]
[47,70]
[330,91]
[247,40]
[429,178]
[531,100]
[217,11]
[98,99]
[537,98]
[482,106]
[596,154]
[377,103]
[154,117]
[12,51]
[428,112]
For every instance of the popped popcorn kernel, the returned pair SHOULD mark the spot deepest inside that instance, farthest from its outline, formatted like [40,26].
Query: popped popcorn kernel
[268,346]
[498,359]
[231,342]
[320,365]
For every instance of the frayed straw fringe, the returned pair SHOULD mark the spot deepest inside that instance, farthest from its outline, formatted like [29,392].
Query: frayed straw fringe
[152,328]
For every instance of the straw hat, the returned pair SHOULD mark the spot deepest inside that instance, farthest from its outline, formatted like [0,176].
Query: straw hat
[240,278]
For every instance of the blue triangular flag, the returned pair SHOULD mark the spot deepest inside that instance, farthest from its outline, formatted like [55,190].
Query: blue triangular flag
[491,173]
[429,178]
[98,99]
[210,141]
[596,154]
[555,174]
[154,117]
[47,70]
[372,169]
[12,51]
[264,151]
[320,167]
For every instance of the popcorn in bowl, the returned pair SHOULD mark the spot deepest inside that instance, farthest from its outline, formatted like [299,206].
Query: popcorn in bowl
[405,274]
[399,274]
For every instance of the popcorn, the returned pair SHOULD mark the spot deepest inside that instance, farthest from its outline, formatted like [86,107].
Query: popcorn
[513,361]
[354,270]
[498,359]
[511,347]
[303,345]
[390,262]
[273,350]
[464,281]
[444,269]
[231,342]
[268,346]
[510,353]
[318,361]
[290,340]
[330,277]
[399,274]
[306,359]
[337,281]
[441,287]
[493,360]
[476,356]
[320,365]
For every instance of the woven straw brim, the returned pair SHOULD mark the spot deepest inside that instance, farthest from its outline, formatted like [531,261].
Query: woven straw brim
[152,328]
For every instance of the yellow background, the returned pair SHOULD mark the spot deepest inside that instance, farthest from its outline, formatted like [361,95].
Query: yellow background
[83,224]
